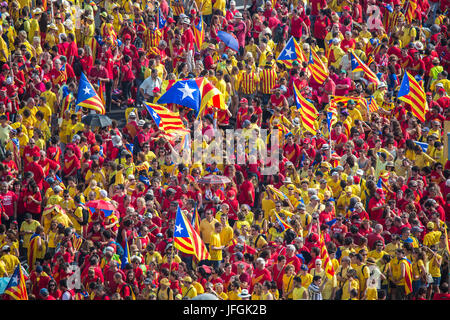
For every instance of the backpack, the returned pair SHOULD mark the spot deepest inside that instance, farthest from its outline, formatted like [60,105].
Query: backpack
[86,215]
[278,33]
[159,288]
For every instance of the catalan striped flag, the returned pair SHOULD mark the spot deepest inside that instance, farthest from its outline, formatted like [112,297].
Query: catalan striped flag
[77,241]
[290,53]
[408,275]
[371,105]
[308,113]
[358,65]
[318,70]
[16,286]
[166,120]
[187,240]
[194,94]
[409,8]
[101,92]
[87,97]
[195,220]
[282,224]
[412,93]
[383,178]
[199,33]
[33,250]
[278,194]
[370,60]
[328,265]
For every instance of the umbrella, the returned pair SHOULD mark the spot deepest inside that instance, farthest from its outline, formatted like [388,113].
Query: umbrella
[229,40]
[96,120]
[214,179]
[101,205]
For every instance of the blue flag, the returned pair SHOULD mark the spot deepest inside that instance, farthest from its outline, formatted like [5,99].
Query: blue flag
[126,255]
[423,145]
[185,93]
[161,19]
[379,183]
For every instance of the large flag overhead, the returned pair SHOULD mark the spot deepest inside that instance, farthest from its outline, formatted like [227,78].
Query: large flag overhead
[199,33]
[308,113]
[358,65]
[87,96]
[166,120]
[291,52]
[187,240]
[410,10]
[412,93]
[318,70]
[194,94]
[16,286]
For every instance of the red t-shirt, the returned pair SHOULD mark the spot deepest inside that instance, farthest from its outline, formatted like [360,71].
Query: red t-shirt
[8,200]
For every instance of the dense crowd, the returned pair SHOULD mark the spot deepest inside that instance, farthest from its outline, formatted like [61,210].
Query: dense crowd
[366,187]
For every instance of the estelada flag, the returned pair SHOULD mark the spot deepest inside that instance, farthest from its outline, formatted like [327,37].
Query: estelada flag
[87,96]
[412,93]
[16,286]
[187,240]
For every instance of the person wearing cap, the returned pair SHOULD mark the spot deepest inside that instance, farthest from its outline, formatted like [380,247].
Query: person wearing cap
[9,260]
[188,290]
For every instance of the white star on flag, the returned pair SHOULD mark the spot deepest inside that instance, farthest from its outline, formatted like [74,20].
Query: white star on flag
[178,228]
[87,90]
[15,280]
[187,92]
[155,115]
[289,52]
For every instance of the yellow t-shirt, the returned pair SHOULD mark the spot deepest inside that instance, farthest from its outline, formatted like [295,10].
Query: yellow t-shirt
[28,227]
[207,229]
[216,254]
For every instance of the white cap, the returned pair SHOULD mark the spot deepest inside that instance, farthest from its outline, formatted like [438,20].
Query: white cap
[103,193]
[132,114]
[359,172]
[141,122]
[131,176]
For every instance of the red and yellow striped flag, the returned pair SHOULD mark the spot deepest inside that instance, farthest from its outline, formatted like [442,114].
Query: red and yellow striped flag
[166,120]
[16,286]
[308,113]
[413,93]
[410,11]
[318,70]
[328,265]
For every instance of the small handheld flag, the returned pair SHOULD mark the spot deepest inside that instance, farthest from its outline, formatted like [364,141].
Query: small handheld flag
[16,286]
[87,97]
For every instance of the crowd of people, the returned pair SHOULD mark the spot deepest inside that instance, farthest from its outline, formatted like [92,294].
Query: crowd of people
[374,188]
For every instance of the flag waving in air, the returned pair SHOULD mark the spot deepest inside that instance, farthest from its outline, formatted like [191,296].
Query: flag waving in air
[16,286]
[87,97]
[166,120]
[412,93]
[194,94]
[282,224]
[318,70]
[371,105]
[187,240]
[199,33]
[308,113]
[358,65]
[291,52]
